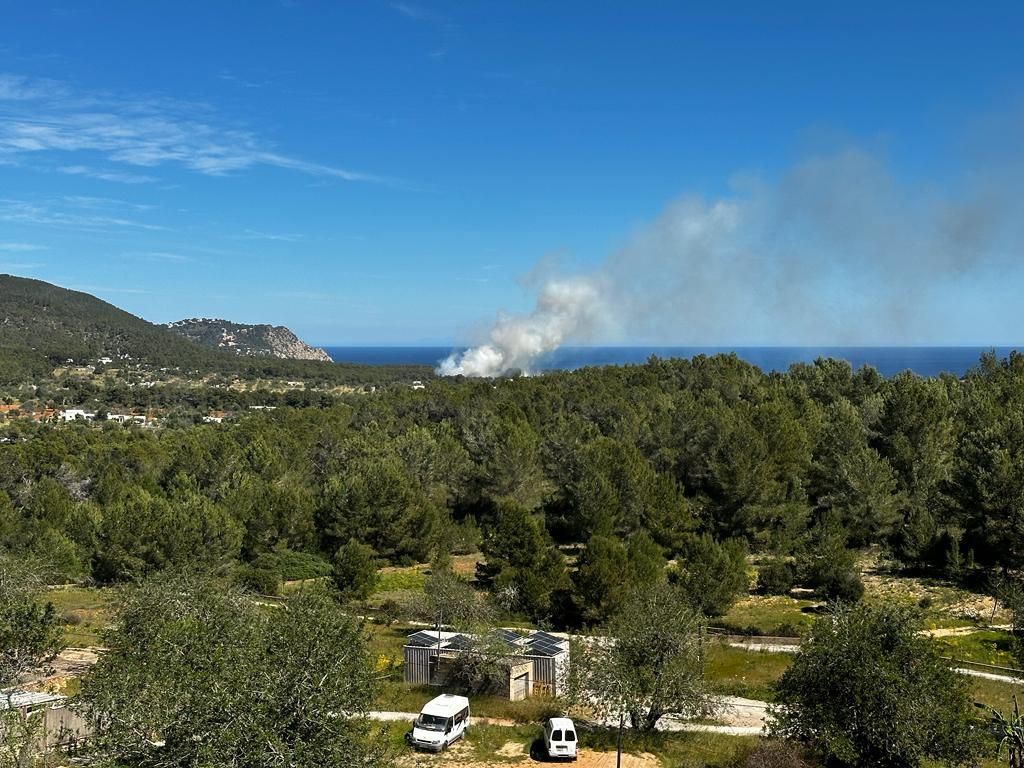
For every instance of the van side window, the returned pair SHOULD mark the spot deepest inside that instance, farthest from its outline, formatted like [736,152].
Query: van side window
[570,736]
[556,735]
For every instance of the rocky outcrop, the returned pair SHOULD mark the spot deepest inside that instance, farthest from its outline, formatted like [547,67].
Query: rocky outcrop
[248,340]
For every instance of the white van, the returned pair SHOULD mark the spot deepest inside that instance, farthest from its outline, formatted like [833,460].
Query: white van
[441,721]
[560,738]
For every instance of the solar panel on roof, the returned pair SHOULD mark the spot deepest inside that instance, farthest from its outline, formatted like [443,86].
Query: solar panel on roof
[544,648]
[508,637]
[422,639]
[461,643]
[546,637]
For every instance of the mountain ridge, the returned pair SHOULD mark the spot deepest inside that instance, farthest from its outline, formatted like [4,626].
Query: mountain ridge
[247,339]
[44,326]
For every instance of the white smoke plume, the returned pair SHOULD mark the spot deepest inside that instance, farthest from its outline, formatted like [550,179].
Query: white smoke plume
[836,252]
[566,307]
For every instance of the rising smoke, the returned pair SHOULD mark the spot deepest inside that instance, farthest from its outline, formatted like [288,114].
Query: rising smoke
[835,252]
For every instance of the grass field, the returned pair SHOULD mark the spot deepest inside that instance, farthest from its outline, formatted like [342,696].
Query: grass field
[84,613]
[736,672]
[769,615]
[989,646]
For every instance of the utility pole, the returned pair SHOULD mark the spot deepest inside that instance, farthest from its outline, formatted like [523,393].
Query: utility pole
[618,743]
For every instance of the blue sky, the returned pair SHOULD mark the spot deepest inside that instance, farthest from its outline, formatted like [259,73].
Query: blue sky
[387,172]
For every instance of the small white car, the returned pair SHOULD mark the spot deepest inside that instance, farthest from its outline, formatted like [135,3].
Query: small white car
[441,721]
[560,738]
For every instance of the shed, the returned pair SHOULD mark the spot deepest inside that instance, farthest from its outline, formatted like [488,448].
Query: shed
[61,727]
[538,662]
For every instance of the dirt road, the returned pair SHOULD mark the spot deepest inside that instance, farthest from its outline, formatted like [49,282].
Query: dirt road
[459,756]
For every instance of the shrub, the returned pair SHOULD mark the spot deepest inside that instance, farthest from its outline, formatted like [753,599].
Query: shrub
[355,570]
[292,566]
[390,611]
[867,690]
[263,581]
[776,577]
[843,585]
[711,574]
[769,754]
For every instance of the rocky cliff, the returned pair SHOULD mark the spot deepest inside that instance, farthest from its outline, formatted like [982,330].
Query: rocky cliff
[248,340]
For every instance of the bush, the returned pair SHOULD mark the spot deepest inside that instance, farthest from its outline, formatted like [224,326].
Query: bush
[389,612]
[465,537]
[842,585]
[712,575]
[355,570]
[867,690]
[263,581]
[776,577]
[769,754]
[292,566]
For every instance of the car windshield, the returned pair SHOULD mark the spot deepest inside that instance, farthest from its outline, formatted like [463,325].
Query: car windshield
[431,722]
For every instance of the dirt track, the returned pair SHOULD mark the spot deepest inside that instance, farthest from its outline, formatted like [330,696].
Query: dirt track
[458,757]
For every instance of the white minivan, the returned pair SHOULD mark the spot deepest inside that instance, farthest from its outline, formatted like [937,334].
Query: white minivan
[560,738]
[441,721]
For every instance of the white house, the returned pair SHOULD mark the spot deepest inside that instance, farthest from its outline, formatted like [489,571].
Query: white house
[75,413]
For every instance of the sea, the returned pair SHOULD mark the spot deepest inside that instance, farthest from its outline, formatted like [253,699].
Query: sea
[924,361]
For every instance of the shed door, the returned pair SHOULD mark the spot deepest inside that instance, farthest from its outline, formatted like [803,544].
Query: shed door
[520,686]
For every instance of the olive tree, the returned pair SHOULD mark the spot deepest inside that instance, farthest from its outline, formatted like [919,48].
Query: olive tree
[30,637]
[649,663]
[198,674]
[867,690]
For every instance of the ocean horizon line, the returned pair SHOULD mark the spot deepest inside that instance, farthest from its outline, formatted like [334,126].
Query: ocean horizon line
[887,360]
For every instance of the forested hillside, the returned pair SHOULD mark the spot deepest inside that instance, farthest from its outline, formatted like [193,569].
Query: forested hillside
[43,326]
[626,468]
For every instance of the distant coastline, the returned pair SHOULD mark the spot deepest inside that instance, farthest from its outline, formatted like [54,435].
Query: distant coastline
[924,361]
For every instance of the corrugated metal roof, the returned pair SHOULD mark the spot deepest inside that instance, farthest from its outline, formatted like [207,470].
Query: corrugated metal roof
[531,644]
[22,699]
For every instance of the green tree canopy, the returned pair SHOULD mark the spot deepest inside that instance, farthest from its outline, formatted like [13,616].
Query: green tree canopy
[651,662]
[867,690]
[198,675]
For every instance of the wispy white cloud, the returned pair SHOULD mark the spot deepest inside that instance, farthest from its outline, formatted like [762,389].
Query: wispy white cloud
[20,88]
[47,117]
[105,174]
[21,247]
[160,256]
[410,10]
[230,77]
[252,234]
[89,201]
[45,214]
[108,289]
[166,256]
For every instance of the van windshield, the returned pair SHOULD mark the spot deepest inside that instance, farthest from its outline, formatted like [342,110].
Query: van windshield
[432,722]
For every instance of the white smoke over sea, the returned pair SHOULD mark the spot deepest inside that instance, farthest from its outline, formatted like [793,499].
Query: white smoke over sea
[837,251]
[566,308]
